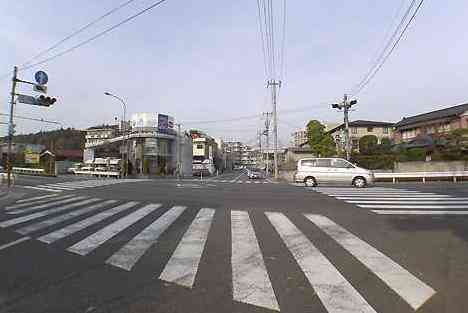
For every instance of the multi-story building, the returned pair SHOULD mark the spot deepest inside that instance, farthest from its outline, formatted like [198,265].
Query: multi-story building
[241,154]
[359,129]
[97,135]
[299,137]
[435,122]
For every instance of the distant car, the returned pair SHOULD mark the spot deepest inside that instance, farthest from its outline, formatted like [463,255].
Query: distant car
[314,171]
[254,174]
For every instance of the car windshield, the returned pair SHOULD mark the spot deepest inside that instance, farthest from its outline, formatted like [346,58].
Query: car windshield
[265,156]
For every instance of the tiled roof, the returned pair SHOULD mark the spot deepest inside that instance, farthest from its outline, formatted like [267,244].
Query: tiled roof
[363,123]
[434,115]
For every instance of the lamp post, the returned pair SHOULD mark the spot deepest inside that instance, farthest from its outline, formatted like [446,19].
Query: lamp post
[124,128]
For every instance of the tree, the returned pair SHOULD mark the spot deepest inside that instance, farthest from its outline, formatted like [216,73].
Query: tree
[321,144]
[368,144]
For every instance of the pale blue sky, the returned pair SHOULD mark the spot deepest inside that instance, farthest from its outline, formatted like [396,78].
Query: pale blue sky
[202,60]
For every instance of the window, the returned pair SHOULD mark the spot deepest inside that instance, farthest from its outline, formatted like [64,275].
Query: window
[370,129]
[353,130]
[308,163]
[199,146]
[337,163]
[355,143]
[323,163]
[385,130]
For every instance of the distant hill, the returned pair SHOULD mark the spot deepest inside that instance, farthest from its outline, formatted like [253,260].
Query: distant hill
[54,140]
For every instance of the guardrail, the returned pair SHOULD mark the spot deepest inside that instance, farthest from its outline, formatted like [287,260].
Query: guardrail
[29,171]
[98,173]
[421,175]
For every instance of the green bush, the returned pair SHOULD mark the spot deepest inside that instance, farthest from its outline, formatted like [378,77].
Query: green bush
[413,154]
[374,162]
[368,144]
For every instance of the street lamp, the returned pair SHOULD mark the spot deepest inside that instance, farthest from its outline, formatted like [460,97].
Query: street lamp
[124,128]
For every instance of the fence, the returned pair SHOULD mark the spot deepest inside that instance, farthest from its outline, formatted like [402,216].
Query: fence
[421,175]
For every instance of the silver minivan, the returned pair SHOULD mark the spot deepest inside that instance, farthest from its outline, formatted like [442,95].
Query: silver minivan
[314,171]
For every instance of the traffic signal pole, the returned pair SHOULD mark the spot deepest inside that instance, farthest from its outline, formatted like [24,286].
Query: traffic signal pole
[10,124]
[346,105]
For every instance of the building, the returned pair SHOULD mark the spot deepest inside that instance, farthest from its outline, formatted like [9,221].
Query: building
[435,122]
[299,137]
[359,129]
[151,145]
[243,156]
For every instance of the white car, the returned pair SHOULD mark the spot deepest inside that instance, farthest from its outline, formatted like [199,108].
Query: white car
[314,171]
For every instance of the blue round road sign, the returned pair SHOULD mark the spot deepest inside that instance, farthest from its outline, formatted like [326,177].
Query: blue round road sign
[41,77]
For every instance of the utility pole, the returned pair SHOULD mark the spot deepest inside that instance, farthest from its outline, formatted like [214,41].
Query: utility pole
[267,134]
[179,155]
[275,84]
[346,105]
[10,126]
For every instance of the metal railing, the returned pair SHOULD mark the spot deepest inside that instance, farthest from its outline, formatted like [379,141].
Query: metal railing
[420,175]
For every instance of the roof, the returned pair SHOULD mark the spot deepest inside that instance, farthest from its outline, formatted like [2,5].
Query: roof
[103,127]
[434,115]
[363,123]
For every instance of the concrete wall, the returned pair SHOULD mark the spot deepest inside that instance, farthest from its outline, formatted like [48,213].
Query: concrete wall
[432,166]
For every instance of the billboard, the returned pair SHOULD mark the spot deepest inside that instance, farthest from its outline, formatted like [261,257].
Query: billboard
[162,122]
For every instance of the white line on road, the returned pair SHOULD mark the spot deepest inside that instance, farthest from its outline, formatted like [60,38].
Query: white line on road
[130,253]
[39,201]
[419,212]
[61,218]
[13,243]
[410,288]
[250,281]
[421,201]
[36,198]
[404,206]
[54,187]
[76,227]
[93,241]
[389,195]
[399,198]
[26,218]
[46,205]
[183,264]
[43,189]
[335,292]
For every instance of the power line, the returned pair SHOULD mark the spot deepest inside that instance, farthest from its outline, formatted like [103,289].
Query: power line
[100,34]
[78,31]
[374,70]
[32,119]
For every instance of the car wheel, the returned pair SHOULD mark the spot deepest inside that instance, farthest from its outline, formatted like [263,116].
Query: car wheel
[359,182]
[310,182]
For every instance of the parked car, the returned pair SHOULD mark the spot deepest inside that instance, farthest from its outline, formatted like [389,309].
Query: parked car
[254,174]
[314,171]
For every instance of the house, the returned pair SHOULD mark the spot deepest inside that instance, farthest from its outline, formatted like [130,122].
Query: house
[294,154]
[435,122]
[361,128]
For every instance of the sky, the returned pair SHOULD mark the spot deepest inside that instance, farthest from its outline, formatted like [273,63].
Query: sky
[202,61]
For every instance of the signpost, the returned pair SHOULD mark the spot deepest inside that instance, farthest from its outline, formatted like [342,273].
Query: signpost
[41,80]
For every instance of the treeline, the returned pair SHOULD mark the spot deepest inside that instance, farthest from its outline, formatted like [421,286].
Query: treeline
[54,140]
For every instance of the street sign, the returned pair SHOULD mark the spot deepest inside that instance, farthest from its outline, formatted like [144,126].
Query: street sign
[26,99]
[40,88]
[41,77]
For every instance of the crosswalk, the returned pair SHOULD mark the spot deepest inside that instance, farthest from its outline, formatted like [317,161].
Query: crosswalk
[50,219]
[238,181]
[80,184]
[393,201]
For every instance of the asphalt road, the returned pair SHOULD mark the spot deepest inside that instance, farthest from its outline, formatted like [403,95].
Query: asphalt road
[228,244]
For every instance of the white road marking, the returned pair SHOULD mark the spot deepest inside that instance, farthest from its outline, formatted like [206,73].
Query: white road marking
[130,253]
[13,243]
[335,292]
[46,205]
[419,212]
[389,195]
[76,227]
[54,187]
[61,218]
[410,288]
[44,189]
[182,267]
[404,206]
[421,201]
[39,201]
[399,198]
[26,218]
[248,182]
[36,198]
[250,281]
[93,241]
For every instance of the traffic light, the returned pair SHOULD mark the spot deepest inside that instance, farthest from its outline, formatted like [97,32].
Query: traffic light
[336,106]
[45,101]
[353,102]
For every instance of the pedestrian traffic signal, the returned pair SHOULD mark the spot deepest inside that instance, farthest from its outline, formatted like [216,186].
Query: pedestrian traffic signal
[45,101]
